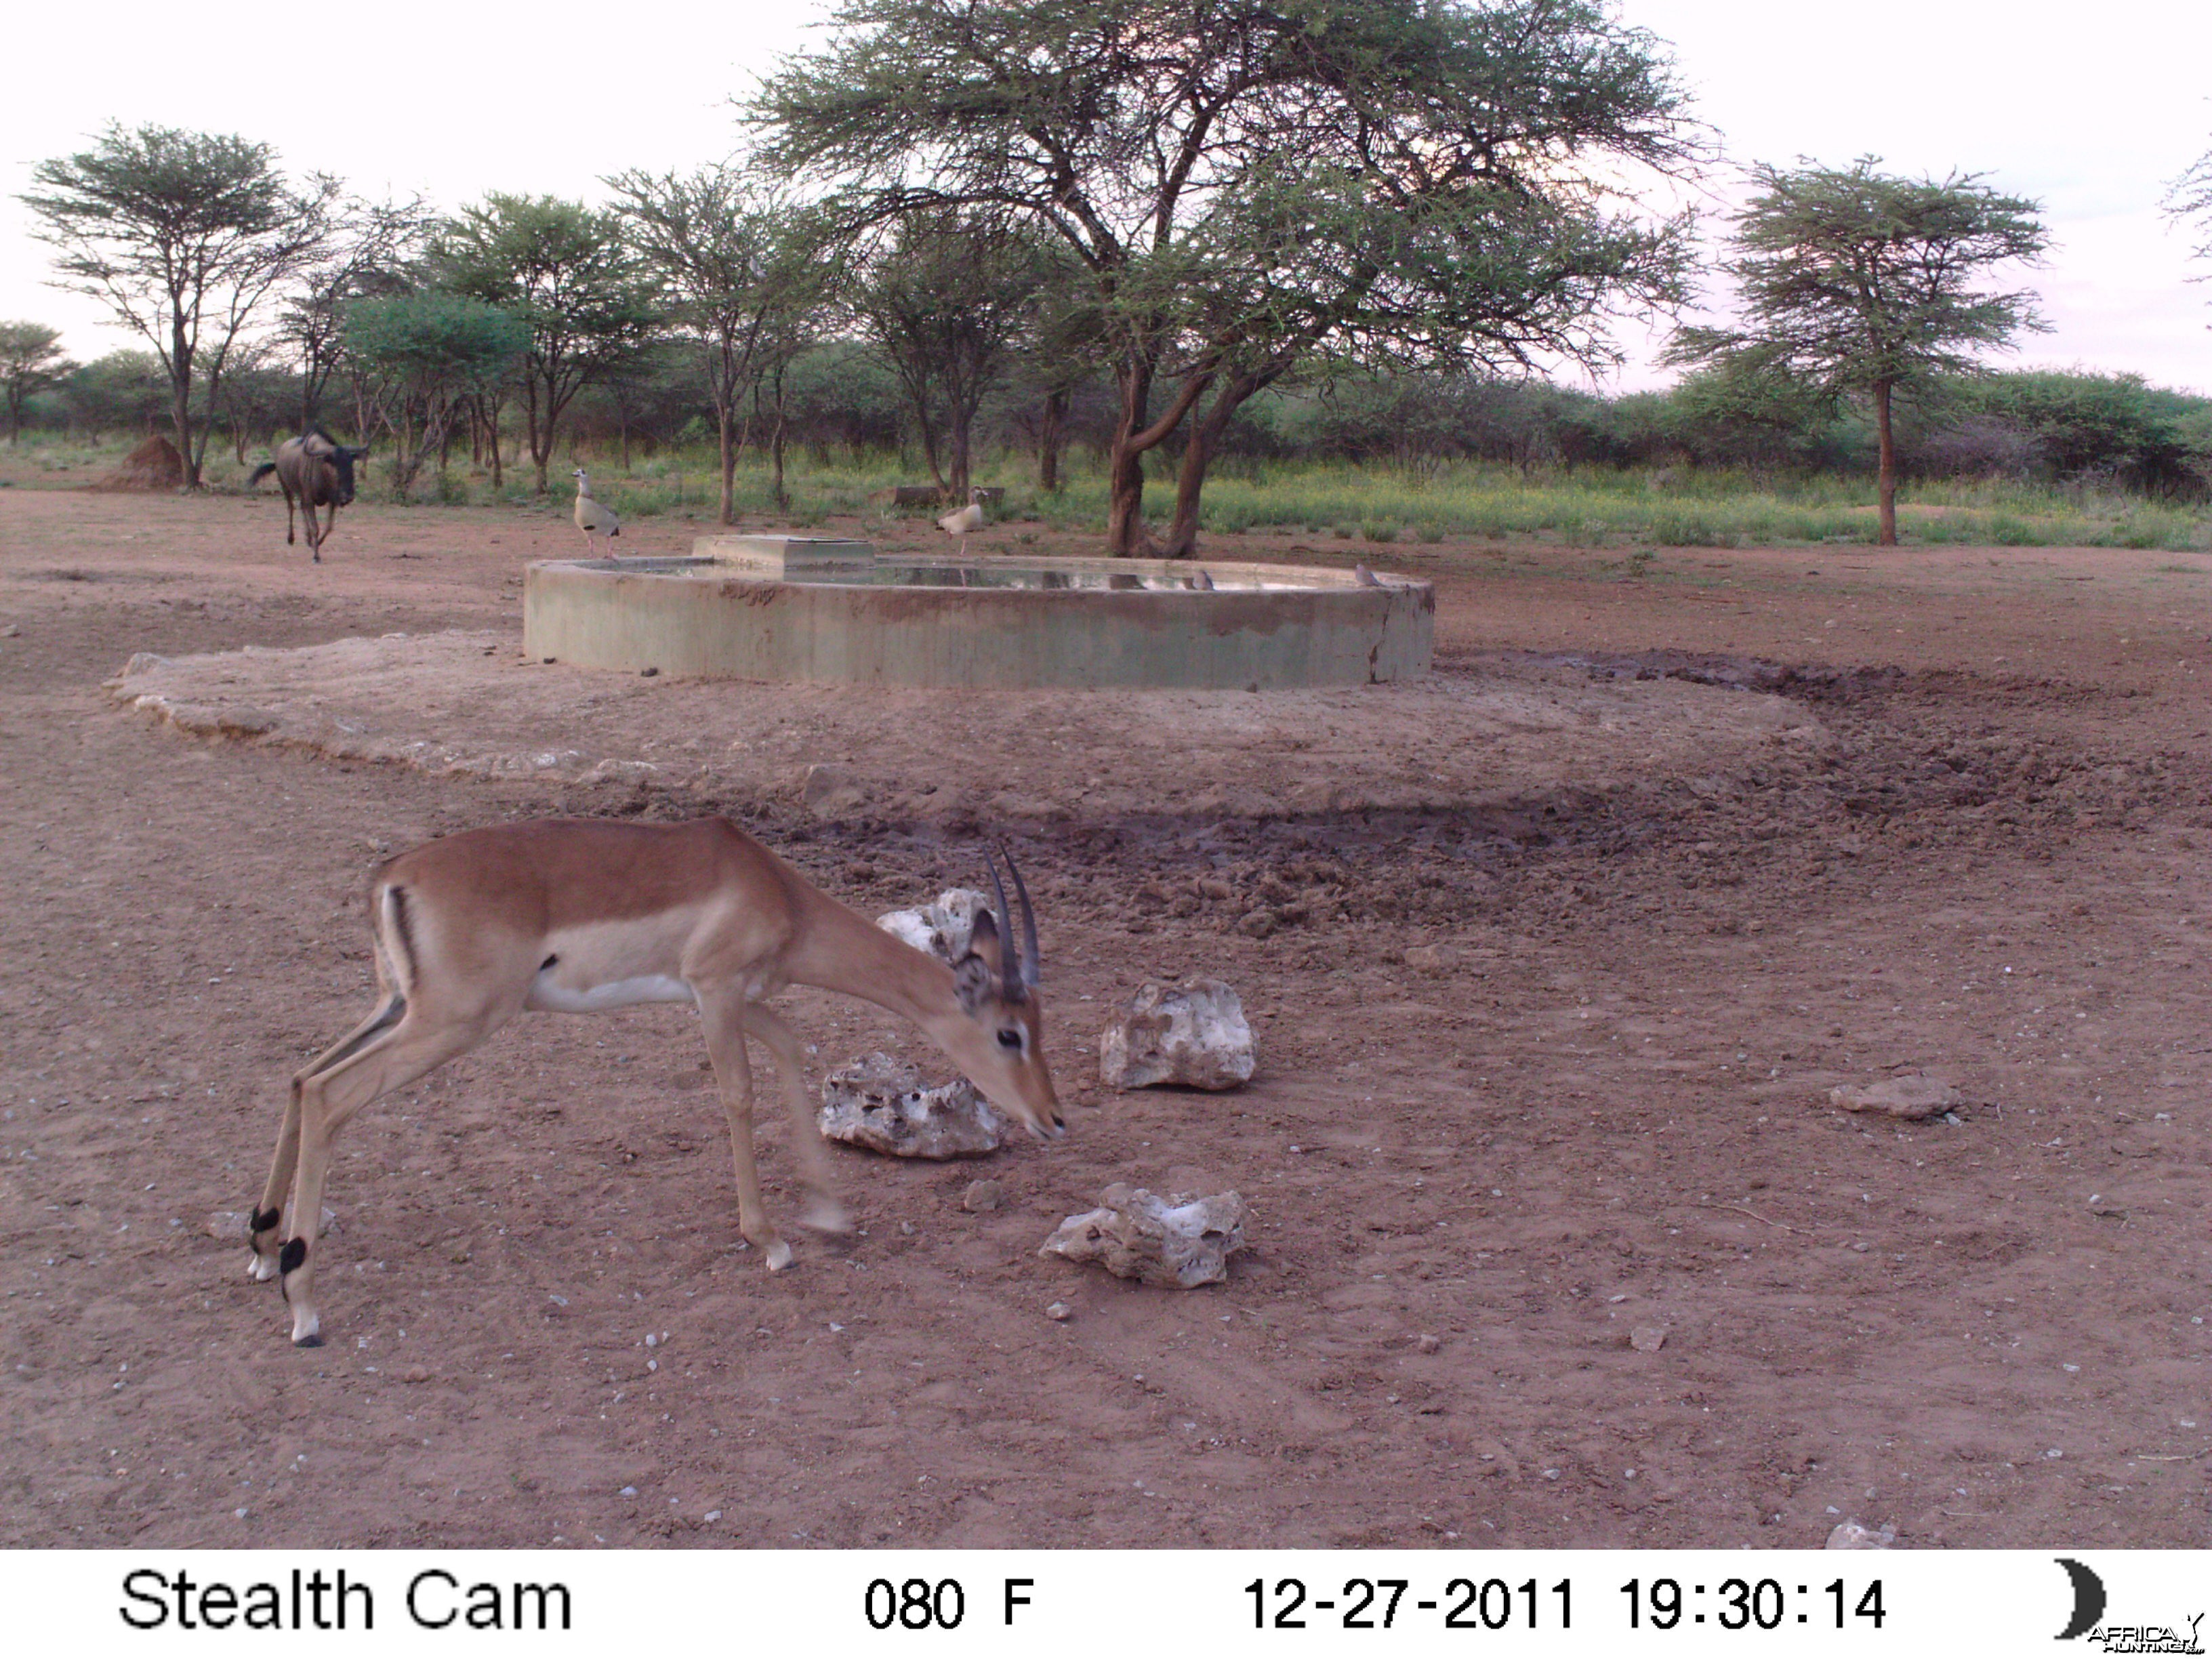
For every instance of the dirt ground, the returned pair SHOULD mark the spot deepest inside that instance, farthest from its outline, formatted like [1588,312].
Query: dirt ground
[1554,961]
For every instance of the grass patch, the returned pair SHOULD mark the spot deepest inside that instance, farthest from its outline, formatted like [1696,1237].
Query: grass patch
[1468,500]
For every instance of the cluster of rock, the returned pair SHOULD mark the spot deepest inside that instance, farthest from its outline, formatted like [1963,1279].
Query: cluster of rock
[1911,1096]
[881,1102]
[1193,1035]
[1177,1243]
[944,928]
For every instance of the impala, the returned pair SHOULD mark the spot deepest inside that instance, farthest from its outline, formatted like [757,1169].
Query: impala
[575,915]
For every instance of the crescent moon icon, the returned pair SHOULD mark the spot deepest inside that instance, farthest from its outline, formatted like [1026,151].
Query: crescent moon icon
[2088,1599]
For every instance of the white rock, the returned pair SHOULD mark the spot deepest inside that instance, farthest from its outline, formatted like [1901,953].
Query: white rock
[1851,1536]
[880,1103]
[945,929]
[1178,1243]
[1648,1339]
[914,927]
[1194,1034]
[1911,1096]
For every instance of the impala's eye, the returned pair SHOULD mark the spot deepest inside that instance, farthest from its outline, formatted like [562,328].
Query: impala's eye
[1010,1038]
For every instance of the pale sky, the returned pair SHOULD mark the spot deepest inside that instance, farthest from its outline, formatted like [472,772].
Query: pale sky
[2090,109]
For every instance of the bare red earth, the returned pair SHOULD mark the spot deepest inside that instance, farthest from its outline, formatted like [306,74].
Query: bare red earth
[1534,1073]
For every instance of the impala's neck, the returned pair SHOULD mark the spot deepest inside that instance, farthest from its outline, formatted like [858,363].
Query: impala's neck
[842,951]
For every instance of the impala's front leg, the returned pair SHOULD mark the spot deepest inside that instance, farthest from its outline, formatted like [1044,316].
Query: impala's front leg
[825,1211]
[723,1015]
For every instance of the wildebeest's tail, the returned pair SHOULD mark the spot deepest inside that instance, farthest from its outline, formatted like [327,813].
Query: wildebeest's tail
[259,473]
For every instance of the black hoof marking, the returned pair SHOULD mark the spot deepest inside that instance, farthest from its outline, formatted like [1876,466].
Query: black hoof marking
[314,1342]
[293,1253]
[265,1219]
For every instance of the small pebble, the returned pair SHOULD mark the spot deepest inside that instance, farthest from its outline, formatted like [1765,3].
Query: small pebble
[982,1196]
[1058,1310]
[630,1492]
[1427,1342]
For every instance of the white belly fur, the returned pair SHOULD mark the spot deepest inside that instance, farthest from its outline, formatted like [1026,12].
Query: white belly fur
[600,965]
[555,998]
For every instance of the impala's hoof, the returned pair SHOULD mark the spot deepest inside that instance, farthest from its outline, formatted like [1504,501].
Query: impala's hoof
[260,1268]
[312,1339]
[778,1256]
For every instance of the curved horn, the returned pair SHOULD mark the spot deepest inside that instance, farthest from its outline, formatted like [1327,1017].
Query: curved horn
[1010,956]
[1032,970]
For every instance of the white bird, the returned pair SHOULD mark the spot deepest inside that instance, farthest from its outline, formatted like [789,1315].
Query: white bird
[964,521]
[592,518]
[1365,577]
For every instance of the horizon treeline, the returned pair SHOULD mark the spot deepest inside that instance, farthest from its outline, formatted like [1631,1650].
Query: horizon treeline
[844,405]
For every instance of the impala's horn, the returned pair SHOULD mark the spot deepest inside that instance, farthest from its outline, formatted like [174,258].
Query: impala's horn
[1018,964]
[1031,972]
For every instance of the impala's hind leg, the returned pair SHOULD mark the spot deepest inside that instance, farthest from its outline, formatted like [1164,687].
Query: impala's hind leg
[262,1264]
[724,1017]
[824,1212]
[388,1059]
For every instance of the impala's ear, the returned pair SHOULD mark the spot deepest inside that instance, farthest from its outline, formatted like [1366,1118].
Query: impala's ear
[972,982]
[976,977]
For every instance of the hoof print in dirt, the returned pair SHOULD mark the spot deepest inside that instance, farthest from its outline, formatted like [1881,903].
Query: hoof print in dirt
[880,1103]
[1851,1535]
[1178,1244]
[943,929]
[1193,1035]
[1911,1096]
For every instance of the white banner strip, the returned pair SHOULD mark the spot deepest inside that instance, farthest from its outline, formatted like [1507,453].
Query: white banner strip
[992,1602]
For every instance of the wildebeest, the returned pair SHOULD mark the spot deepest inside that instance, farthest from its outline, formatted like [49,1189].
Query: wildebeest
[317,471]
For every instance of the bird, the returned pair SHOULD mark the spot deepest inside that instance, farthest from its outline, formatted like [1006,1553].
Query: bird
[592,518]
[1202,582]
[964,521]
[1365,577]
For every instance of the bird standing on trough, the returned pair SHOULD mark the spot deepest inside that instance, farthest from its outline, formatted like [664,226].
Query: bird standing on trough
[964,521]
[1365,577]
[592,518]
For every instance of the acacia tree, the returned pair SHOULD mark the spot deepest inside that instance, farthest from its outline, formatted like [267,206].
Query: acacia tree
[565,271]
[1855,283]
[183,236]
[370,249]
[944,301]
[31,359]
[1249,182]
[731,274]
[2189,198]
[423,356]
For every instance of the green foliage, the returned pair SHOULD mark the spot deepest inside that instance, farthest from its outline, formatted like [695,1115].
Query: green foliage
[2115,426]
[31,359]
[183,236]
[420,356]
[565,271]
[1851,280]
[1248,185]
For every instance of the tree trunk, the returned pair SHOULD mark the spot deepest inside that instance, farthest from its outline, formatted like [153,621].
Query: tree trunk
[1048,440]
[541,439]
[957,440]
[775,448]
[1197,455]
[180,401]
[728,456]
[1887,486]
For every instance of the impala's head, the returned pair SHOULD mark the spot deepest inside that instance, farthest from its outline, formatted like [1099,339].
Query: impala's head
[997,985]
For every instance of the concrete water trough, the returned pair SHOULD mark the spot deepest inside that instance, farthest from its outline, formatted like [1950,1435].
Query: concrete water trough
[833,612]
